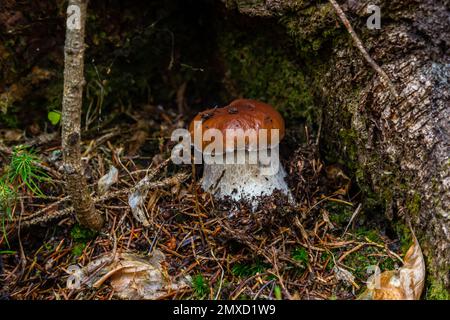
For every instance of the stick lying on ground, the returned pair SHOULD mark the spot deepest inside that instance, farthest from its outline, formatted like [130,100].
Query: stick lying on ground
[42,217]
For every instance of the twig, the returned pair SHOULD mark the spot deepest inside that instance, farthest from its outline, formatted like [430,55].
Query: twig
[385,78]
[45,218]
[356,248]
[23,257]
[76,186]
[42,211]
[178,178]
[38,217]
[262,288]
[277,274]
[53,172]
[221,276]
[355,213]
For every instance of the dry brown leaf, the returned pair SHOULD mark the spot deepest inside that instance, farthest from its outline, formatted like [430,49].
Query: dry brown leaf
[405,283]
[133,277]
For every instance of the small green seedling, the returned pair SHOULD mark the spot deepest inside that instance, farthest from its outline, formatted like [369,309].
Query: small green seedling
[54,117]
[277,292]
[249,269]
[7,199]
[200,286]
[24,170]
[300,255]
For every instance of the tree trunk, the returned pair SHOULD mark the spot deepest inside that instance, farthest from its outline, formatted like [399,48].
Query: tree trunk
[76,186]
[401,146]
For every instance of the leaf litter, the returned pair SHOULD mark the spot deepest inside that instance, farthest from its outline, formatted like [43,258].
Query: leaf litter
[156,209]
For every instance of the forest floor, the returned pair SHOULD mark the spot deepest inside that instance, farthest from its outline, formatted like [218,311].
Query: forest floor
[319,248]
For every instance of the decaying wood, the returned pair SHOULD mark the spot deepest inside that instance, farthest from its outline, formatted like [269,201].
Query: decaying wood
[74,81]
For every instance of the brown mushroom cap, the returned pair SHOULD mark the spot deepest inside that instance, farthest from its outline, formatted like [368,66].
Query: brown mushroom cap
[241,114]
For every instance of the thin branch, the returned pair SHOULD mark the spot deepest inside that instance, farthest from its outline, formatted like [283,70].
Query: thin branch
[41,216]
[384,77]
[76,186]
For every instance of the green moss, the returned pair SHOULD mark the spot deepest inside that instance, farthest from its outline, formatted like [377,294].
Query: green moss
[404,234]
[301,255]
[371,234]
[200,286]
[340,214]
[349,140]
[361,260]
[9,120]
[312,28]
[77,249]
[248,270]
[388,264]
[260,70]
[326,256]
[78,233]
[437,291]
[413,204]
[435,288]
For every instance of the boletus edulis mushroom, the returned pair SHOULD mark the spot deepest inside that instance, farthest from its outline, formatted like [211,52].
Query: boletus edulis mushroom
[243,162]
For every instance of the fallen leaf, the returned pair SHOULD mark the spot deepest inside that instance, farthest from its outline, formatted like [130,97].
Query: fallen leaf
[132,277]
[405,283]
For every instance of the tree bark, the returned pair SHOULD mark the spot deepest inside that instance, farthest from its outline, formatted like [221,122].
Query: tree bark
[76,186]
[401,146]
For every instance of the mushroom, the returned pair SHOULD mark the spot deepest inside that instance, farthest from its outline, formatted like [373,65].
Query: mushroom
[254,169]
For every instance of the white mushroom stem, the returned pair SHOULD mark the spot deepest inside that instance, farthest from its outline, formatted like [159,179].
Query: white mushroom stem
[247,180]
